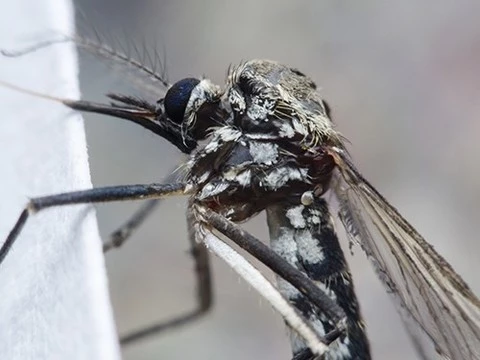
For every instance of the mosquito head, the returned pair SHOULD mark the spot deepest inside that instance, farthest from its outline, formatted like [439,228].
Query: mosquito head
[177,97]
[193,105]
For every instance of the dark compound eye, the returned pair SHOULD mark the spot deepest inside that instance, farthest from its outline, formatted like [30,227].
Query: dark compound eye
[177,98]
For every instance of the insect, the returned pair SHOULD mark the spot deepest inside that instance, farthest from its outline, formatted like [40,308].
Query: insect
[266,142]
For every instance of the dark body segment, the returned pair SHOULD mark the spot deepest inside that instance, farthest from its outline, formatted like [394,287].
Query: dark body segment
[305,237]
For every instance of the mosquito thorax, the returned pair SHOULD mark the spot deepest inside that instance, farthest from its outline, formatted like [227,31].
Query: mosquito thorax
[268,142]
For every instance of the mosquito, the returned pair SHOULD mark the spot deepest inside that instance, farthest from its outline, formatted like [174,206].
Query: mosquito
[266,142]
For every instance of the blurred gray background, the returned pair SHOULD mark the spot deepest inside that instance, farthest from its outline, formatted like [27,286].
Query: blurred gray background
[402,79]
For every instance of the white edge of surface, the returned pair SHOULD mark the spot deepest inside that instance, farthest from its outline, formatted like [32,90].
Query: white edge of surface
[54,301]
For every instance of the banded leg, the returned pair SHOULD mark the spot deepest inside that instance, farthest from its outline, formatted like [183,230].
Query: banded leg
[103,194]
[305,237]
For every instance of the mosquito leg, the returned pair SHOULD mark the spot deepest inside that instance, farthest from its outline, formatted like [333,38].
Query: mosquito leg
[123,233]
[305,354]
[204,289]
[104,194]
[275,262]
[255,278]
[119,236]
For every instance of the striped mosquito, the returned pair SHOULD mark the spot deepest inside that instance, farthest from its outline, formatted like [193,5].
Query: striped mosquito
[265,142]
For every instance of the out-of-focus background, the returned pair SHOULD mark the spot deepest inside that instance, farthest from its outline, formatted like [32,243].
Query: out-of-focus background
[403,82]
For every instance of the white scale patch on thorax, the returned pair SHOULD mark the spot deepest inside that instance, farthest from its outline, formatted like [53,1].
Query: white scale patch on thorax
[280,176]
[244,178]
[211,189]
[263,153]
[241,176]
[221,136]
[259,109]
[236,100]
[286,130]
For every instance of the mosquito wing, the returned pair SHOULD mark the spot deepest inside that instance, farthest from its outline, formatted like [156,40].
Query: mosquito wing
[424,285]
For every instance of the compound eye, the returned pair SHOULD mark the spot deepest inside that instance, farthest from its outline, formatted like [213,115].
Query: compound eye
[177,97]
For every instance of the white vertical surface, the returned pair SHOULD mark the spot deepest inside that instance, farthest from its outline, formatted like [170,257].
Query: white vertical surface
[54,301]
